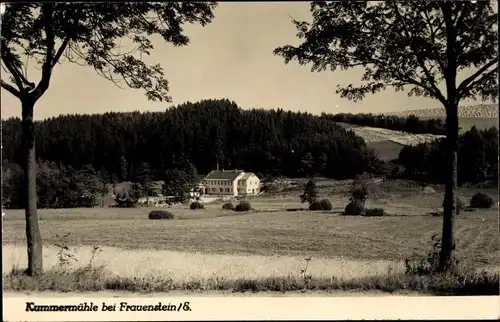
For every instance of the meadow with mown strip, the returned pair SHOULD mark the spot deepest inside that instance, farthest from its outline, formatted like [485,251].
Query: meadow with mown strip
[265,244]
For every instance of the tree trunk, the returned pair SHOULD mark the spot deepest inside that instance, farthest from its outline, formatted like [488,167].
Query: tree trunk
[33,236]
[450,197]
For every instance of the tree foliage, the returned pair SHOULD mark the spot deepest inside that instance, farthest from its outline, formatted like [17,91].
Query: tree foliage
[88,34]
[91,34]
[477,159]
[179,181]
[310,192]
[402,44]
[58,186]
[415,46]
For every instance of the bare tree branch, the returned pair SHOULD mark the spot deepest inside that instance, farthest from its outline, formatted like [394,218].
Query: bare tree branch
[60,51]
[48,12]
[433,38]
[11,89]
[432,81]
[464,85]
[7,58]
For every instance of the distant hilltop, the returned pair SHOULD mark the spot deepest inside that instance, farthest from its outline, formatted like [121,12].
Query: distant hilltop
[479,111]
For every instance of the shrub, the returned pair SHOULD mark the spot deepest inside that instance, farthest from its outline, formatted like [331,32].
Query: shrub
[374,212]
[244,205]
[460,206]
[326,204]
[228,206]
[160,214]
[271,187]
[362,187]
[196,205]
[359,193]
[481,200]
[354,208]
[428,264]
[315,205]
[310,192]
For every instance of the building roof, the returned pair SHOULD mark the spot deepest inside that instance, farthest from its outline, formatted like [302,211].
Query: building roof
[247,175]
[155,185]
[223,175]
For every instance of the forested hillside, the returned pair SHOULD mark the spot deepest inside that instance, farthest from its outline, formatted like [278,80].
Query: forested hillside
[79,154]
[271,142]
[477,158]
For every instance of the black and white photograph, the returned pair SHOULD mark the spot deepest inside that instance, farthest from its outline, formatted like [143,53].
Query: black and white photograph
[248,149]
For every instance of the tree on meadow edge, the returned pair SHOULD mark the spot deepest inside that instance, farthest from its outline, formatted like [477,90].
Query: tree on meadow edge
[86,34]
[416,45]
[310,192]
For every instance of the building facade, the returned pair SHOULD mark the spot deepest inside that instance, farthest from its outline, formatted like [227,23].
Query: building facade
[231,183]
[248,184]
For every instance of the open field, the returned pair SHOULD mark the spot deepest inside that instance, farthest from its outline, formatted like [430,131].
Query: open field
[388,143]
[385,150]
[213,251]
[264,243]
[473,111]
[375,134]
[480,116]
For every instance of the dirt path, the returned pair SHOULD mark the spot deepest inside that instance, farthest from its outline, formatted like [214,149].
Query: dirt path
[203,294]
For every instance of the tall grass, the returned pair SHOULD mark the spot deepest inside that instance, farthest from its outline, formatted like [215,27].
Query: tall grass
[91,276]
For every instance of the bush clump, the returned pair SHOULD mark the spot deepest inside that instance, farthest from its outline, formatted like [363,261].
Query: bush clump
[323,204]
[354,208]
[460,205]
[374,212]
[315,205]
[359,193]
[228,206]
[481,200]
[244,205]
[196,205]
[160,214]
[428,264]
[326,204]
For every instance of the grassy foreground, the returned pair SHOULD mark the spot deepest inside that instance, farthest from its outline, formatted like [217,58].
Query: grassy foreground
[97,279]
[416,275]
[260,251]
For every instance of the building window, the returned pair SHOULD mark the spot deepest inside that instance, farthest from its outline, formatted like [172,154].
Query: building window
[221,190]
[227,189]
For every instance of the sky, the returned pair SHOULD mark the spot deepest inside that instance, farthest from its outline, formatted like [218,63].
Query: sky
[229,58]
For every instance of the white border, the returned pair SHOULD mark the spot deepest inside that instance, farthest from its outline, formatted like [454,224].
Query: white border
[263,308]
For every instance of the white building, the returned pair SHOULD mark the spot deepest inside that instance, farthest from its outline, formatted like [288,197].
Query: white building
[231,182]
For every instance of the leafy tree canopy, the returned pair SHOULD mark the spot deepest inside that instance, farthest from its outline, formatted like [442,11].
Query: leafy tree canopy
[412,43]
[90,34]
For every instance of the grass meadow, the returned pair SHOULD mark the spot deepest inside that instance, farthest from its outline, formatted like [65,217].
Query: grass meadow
[387,143]
[264,249]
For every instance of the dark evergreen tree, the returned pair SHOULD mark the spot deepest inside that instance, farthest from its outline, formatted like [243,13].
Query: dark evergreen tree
[310,192]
